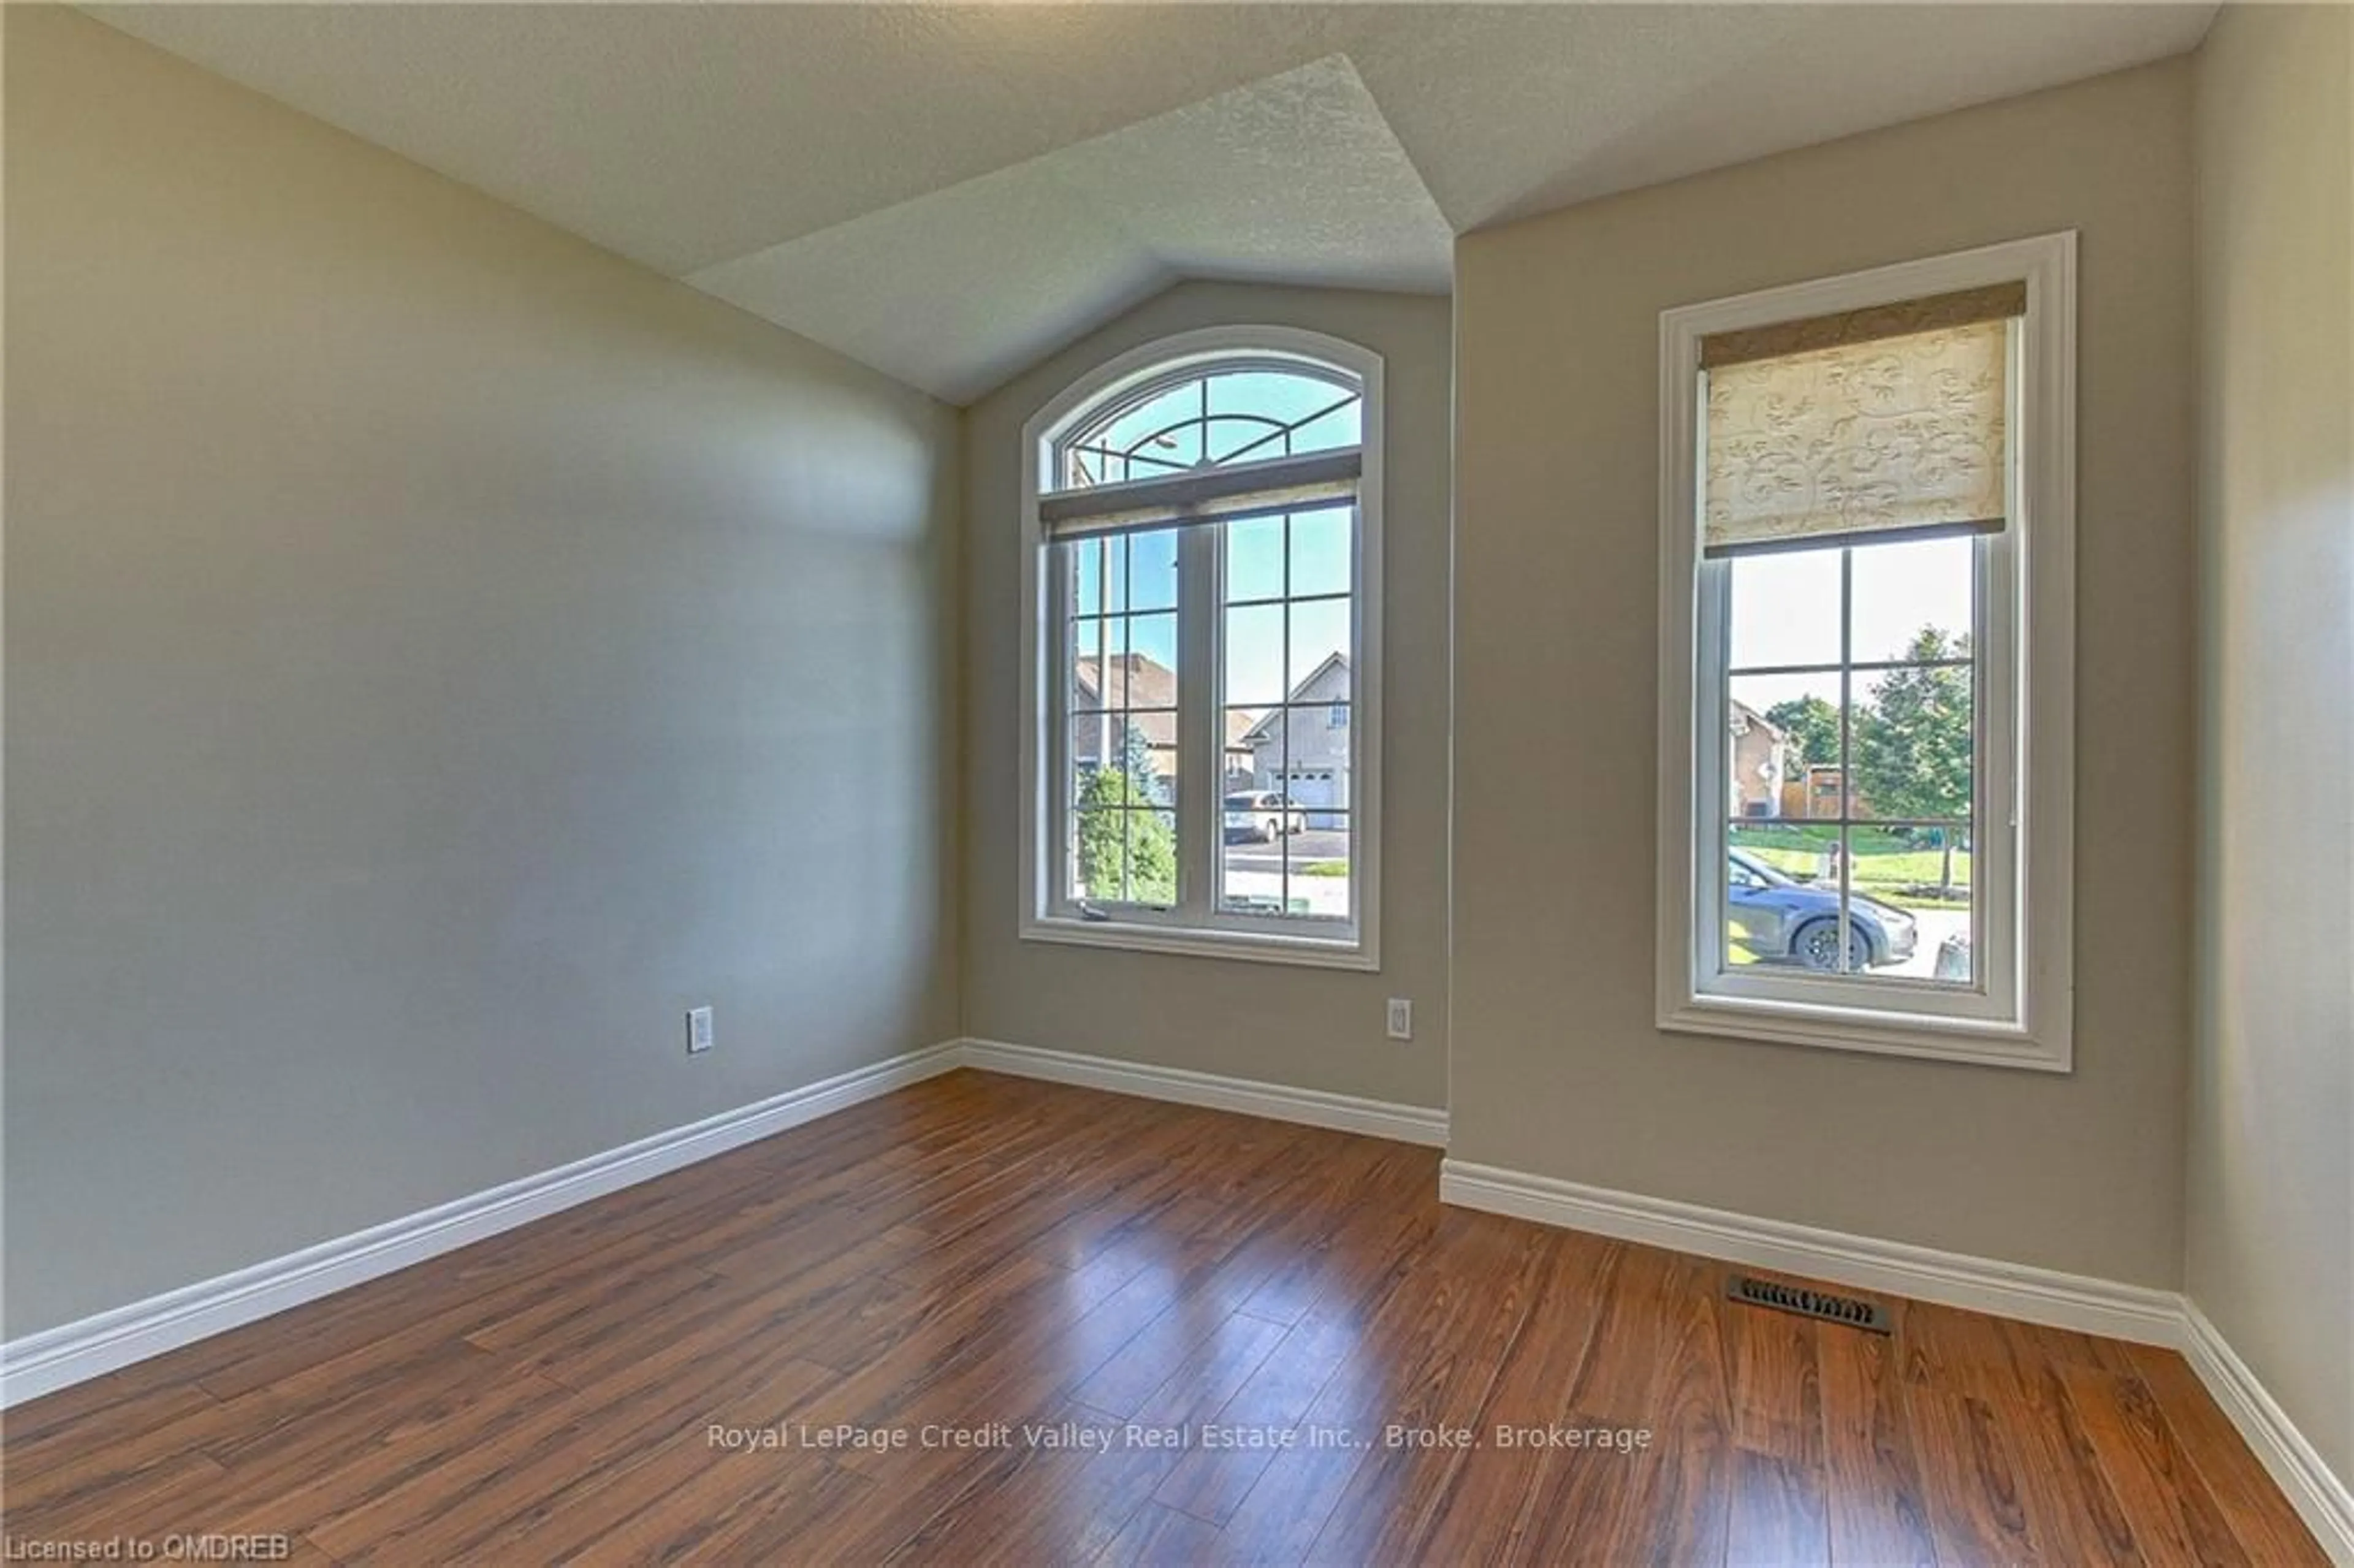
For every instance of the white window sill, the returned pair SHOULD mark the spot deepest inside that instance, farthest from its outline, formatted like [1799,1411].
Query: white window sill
[1874,1033]
[1253,947]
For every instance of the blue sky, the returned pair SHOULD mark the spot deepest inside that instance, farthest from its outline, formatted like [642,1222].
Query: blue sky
[1166,433]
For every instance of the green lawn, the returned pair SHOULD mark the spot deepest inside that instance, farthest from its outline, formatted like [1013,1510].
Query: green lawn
[1885,866]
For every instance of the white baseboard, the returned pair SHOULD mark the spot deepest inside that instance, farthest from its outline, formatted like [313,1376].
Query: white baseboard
[1953,1279]
[2323,1501]
[72,1352]
[1213,1091]
[59,1357]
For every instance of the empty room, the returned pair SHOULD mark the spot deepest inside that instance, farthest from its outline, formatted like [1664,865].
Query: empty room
[1031,784]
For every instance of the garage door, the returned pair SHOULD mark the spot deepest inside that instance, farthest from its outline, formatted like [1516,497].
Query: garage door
[1310,788]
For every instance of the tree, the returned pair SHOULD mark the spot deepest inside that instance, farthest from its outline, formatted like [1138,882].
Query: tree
[1812,726]
[1136,757]
[1113,839]
[1910,741]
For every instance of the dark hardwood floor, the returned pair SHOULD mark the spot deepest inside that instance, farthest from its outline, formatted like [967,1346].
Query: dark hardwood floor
[980,1255]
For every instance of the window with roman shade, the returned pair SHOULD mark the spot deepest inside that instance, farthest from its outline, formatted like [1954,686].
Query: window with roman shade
[1865,691]
[1882,423]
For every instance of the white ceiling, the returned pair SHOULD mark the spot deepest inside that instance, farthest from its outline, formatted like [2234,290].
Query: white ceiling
[949,192]
[1293,178]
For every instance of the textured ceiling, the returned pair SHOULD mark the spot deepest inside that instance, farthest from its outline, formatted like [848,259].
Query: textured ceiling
[1293,178]
[949,192]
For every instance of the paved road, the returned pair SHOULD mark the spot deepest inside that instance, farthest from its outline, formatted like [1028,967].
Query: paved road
[1316,844]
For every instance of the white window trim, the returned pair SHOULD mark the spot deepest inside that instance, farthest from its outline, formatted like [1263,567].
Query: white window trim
[1188,932]
[2022,1019]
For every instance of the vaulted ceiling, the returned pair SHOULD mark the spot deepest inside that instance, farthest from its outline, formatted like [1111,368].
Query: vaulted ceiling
[950,192]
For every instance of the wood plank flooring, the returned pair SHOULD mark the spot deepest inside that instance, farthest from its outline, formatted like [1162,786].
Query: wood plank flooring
[991,1320]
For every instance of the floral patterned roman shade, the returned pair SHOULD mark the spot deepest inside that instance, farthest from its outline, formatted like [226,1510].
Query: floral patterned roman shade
[1871,424]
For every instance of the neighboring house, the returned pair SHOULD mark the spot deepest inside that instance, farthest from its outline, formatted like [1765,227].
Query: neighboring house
[1761,759]
[1303,749]
[1138,682]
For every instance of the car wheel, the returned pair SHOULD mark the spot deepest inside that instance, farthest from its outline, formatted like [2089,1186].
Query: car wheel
[1267,831]
[1817,946]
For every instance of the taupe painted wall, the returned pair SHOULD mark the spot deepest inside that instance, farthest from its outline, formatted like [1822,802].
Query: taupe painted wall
[1314,1028]
[440,652]
[437,653]
[1558,1067]
[2271,1101]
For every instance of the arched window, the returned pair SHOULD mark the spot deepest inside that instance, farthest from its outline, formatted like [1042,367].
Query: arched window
[1241,410]
[1202,522]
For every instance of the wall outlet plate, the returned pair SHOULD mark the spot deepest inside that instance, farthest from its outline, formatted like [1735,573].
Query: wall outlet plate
[1401,1018]
[698,1031]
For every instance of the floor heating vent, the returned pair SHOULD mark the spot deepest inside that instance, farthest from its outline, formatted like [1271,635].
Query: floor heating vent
[1850,1310]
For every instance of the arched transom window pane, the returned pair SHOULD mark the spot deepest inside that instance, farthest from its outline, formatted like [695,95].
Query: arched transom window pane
[1231,413]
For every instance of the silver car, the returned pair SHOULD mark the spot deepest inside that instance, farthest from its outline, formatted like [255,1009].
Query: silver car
[1264,815]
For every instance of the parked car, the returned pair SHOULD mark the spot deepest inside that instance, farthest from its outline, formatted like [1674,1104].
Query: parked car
[1782,921]
[1264,815]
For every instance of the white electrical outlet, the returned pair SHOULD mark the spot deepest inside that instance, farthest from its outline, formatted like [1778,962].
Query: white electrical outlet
[1401,1018]
[698,1030]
